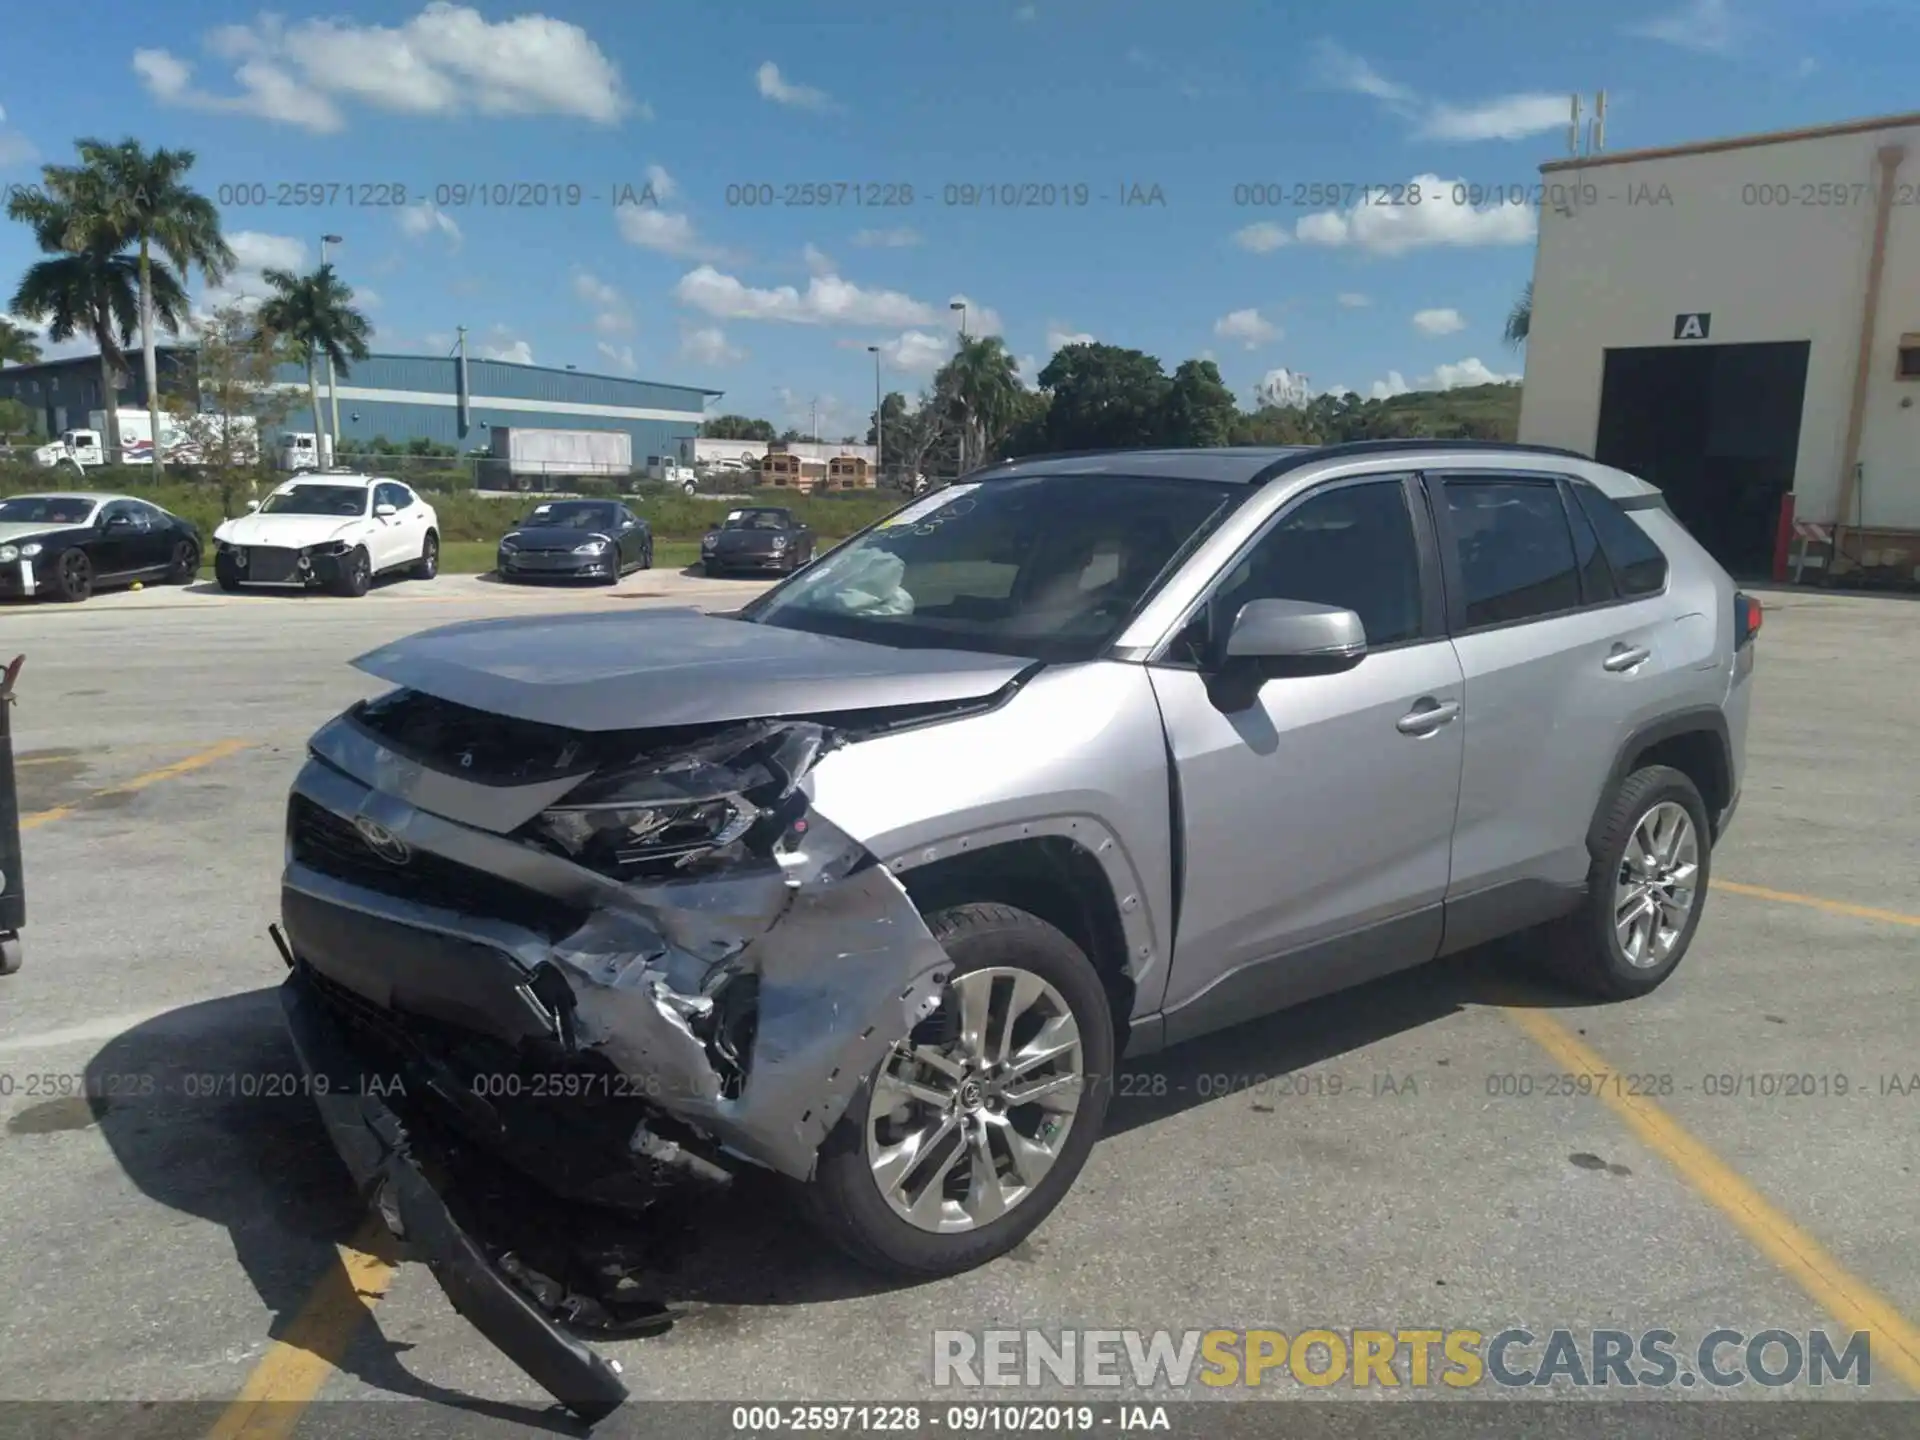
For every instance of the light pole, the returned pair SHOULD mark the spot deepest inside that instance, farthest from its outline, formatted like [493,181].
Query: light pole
[879,420]
[333,393]
[961,306]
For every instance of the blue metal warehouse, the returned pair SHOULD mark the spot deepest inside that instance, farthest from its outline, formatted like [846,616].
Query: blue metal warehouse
[405,397]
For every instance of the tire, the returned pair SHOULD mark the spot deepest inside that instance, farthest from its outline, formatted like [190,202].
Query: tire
[709,569]
[72,577]
[356,575]
[844,1200]
[11,957]
[186,563]
[1586,949]
[428,565]
[646,556]
[225,573]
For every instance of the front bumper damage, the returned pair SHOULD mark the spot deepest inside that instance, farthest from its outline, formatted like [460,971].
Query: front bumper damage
[724,1012]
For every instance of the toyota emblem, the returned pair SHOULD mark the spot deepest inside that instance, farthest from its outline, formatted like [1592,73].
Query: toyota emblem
[382,841]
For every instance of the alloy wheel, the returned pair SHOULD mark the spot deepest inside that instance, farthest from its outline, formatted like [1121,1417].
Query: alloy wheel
[970,1112]
[1657,886]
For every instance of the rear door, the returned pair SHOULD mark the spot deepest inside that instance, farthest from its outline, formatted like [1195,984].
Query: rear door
[1560,660]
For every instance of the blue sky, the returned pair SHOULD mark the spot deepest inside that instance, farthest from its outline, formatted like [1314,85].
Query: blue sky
[1172,104]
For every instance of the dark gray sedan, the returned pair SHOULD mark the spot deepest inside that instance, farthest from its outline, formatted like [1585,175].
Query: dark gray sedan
[576,540]
[765,539]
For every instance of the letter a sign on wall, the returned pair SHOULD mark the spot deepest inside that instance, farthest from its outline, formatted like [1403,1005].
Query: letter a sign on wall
[1693,326]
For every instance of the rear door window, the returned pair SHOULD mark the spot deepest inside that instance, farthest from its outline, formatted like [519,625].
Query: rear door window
[1638,565]
[1514,549]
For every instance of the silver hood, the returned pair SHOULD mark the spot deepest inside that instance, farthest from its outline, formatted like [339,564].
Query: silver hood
[657,668]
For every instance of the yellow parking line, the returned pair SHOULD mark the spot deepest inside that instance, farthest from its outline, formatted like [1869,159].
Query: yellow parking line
[1894,1339]
[139,782]
[296,1365]
[1815,902]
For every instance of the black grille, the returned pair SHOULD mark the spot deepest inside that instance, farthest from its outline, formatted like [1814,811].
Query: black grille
[268,562]
[487,749]
[324,841]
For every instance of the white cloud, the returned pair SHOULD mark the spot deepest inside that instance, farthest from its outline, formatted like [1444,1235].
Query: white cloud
[1027,370]
[666,231]
[1438,322]
[507,348]
[915,352]
[708,345]
[777,88]
[255,251]
[898,239]
[80,344]
[15,149]
[621,358]
[1394,384]
[1263,237]
[1025,13]
[1506,117]
[1353,300]
[1704,26]
[981,319]
[1468,372]
[827,300]
[663,184]
[367,299]
[818,261]
[1248,326]
[1436,220]
[447,60]
[426,218]
[1059,336]
[612,314]
[823,414]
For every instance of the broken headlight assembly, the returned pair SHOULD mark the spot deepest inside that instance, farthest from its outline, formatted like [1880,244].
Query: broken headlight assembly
[675,808]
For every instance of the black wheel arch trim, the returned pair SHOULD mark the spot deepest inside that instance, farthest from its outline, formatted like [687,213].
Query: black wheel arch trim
[1700,719]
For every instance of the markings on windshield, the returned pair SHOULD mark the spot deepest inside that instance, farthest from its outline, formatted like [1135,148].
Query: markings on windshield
[917,512]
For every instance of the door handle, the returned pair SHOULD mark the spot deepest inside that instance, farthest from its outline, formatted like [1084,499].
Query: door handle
[1427,716]
[1625,657]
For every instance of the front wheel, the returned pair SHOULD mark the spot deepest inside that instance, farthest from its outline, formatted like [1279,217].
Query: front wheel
[646,556]
[1646,888]
[185,563]
[968,1134]
[428,565]
[226,574]
[72,577]
[356,575]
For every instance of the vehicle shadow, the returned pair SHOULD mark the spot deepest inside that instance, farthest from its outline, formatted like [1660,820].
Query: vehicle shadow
[287,592]
[261,1166]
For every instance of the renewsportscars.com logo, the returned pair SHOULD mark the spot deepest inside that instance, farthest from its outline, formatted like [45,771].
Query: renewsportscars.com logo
[1412,1358]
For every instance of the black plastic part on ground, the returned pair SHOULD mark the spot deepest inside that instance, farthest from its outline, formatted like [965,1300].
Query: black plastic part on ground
[374,1145]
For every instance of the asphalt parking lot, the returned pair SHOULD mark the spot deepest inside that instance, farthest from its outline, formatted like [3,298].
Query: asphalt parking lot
[1392,1157]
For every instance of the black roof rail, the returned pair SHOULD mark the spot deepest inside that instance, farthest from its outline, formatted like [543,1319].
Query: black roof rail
[1376,447]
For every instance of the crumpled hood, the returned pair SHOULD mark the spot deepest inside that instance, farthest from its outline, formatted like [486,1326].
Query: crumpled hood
[639,670]
[294,532]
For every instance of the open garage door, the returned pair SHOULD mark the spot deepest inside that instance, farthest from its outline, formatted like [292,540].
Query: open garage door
[1717,428]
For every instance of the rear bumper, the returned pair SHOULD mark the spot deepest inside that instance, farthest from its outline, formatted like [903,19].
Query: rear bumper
[376,1149]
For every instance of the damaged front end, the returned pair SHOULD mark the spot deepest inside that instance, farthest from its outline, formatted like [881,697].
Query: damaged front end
[610,958]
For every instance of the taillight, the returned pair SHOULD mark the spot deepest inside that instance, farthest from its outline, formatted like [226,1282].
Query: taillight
[1746,620]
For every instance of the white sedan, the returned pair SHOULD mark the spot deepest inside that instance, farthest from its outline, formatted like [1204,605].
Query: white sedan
[331,531]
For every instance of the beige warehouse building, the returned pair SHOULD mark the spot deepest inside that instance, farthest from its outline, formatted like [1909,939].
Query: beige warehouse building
[1738,319]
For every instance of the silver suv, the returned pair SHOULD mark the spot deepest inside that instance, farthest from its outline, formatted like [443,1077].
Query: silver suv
[874,883]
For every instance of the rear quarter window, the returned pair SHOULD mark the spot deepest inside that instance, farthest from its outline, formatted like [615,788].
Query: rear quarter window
[1639,567]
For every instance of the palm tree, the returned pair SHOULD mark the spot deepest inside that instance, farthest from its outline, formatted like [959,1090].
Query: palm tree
[982,384]
[1520,318]
[17,345]
[141,198]
[314,313]
[97,293]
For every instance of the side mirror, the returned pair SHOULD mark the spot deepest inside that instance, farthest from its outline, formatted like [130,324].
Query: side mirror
[252,505]
[384,511]
[1275,638]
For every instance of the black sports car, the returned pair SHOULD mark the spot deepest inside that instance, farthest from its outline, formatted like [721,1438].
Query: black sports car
[65,546]
[576,540]
[763,539]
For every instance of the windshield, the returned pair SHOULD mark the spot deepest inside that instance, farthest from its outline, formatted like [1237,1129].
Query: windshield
[47,510]
[1046,566]
[345,500]
[580,515]
[756,520]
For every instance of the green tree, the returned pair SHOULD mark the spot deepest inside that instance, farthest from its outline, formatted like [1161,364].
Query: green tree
[87,287]
[1104,397]
[1520,318]
[17,345]
[314,315]
[125,195]
[1028,433]
[893,409]
[16,418]
[237,399]
[737,427]
[1199,408]
[981,389]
